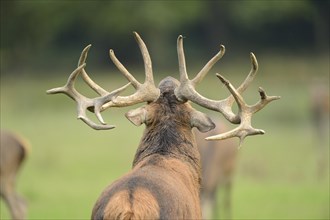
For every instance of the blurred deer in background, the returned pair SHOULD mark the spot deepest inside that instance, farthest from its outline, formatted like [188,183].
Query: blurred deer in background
[13,152]
[320,110]
[164,182]
[218,160]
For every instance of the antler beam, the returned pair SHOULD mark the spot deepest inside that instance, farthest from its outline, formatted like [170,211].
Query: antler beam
[83,103]
[145,92]
[187,91]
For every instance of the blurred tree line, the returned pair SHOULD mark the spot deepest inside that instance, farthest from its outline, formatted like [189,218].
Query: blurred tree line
[43,34]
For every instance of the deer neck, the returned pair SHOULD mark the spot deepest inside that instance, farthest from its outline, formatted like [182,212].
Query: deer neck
[168,131]
[170,145]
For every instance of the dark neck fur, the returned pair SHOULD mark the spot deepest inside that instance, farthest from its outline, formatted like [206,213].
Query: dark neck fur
[169,132]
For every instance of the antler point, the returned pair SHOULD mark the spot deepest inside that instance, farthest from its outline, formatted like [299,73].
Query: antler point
[55,90]
[254,61]
[222,79]
[86,49]
[49,91]
[261,90]
[136,34]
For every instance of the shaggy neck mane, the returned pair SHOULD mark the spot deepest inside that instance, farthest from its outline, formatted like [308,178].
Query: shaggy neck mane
[166,134]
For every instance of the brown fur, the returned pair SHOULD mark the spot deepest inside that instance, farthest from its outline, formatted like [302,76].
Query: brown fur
[165,180]
[13,152]
[320,110]
[218,166]
[119,206]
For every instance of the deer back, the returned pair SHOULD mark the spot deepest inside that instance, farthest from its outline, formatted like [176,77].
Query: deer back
[166,168]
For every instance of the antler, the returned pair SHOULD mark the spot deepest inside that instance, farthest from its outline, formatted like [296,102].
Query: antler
[83,103]
[145,92]
[245,113]
[187,91]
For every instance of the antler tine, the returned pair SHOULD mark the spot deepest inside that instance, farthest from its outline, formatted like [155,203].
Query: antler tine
[264,100]
[245,112]
[123,70]
[182,60]
[84,103]
[68,88]
[98,89]
[186,90]
[241,132]
[146,59]
[182,63]
[227,103]
[248,80]
[146,92]
[200,76]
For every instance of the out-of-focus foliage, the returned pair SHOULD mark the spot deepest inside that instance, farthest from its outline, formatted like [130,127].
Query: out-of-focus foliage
[37,33]
[255,12]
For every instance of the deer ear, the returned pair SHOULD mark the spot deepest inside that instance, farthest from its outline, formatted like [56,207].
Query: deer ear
[201,121]
[137,116]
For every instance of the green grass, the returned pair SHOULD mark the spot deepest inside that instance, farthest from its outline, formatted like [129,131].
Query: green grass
[70,164]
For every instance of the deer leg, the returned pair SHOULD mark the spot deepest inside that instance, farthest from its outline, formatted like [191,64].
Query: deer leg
[14,202]
[207,207]
[215,206]
[227,200]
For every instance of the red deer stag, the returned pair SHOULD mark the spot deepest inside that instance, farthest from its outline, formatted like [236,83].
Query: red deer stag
[218,160]
[13,152]
[164,182]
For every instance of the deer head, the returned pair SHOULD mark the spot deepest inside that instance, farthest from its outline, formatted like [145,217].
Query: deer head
[184,91]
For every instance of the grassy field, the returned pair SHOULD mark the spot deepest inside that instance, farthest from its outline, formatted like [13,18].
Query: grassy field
[70,164]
